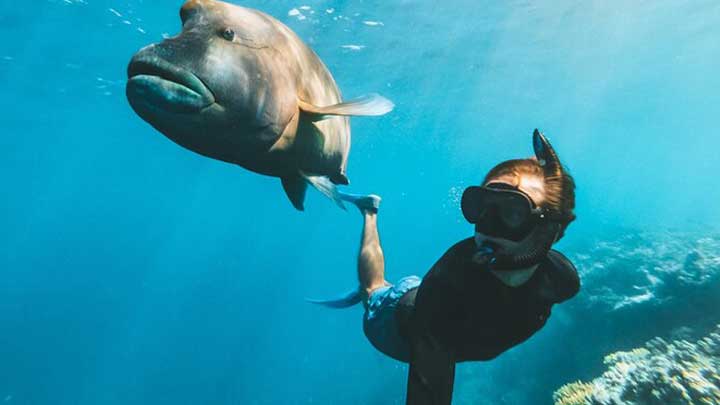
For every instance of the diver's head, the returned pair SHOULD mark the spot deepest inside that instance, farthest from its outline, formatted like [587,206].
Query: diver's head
[522,207]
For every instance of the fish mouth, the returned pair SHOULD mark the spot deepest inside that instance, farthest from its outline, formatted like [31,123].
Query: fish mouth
[156,83]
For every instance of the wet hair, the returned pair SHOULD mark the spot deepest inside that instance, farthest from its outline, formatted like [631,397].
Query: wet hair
[559,189]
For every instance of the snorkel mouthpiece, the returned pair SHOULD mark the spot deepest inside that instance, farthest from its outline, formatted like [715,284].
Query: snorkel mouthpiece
[484,255]
[542,241]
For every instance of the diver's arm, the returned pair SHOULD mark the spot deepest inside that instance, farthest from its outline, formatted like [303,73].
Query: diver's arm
[431,374]
[439,305]
[437,308]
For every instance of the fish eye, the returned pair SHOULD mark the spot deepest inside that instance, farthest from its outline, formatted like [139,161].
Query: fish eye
[228,34]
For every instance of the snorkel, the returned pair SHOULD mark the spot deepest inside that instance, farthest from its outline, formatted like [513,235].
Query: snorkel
[547,231]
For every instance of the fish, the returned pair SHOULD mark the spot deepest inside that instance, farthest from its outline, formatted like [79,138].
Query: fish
[239,86]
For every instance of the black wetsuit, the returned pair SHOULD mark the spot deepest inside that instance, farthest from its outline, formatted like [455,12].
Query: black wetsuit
[463,312]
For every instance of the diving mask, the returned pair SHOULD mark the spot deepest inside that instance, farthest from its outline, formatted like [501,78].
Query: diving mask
[502,211]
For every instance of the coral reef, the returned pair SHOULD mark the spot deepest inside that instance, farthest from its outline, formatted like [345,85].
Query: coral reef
[646,269]
[661,373]
[638,286]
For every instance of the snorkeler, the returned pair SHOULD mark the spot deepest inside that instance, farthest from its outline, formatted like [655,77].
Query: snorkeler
[487,293]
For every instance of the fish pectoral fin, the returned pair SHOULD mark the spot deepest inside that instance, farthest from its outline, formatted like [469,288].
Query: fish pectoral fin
[325,186]
[295,188]
[369,105]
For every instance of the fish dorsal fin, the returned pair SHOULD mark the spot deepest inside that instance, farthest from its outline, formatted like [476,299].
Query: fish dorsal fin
[369,105]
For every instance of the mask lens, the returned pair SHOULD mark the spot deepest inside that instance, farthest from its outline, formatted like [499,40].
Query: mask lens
[471,204]
[514,212]
[505,214]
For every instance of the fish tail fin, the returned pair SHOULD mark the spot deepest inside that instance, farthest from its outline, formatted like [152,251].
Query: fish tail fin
[325,186]
[349,299]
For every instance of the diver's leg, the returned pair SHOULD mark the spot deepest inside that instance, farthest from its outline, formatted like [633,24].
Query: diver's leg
[371,261]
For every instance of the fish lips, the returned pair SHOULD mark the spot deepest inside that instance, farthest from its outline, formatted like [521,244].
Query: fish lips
[158,84]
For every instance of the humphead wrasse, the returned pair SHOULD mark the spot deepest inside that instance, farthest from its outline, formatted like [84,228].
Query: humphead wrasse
[239,86]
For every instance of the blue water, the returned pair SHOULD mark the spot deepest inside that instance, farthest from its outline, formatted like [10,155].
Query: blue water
[133,271]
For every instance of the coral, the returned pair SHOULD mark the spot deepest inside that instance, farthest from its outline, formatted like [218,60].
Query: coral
[679,372]
[646,268]
[573,394]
